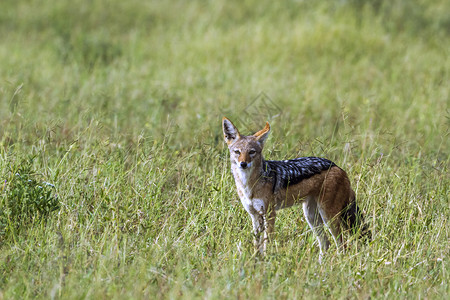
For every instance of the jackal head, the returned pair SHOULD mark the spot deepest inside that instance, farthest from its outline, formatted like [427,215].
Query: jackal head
[245,151]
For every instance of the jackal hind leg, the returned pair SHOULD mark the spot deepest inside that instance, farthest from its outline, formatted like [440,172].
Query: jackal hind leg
[333,223]
[314,219]
[331,202]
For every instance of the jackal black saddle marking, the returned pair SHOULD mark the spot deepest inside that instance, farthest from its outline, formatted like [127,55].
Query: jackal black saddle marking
[290,172]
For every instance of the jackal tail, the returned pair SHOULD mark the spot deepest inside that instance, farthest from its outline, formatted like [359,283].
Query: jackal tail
[353,220]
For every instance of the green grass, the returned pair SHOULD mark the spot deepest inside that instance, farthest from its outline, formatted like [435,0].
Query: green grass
[118,104]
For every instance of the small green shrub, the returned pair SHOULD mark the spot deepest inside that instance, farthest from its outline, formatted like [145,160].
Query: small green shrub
[24,200]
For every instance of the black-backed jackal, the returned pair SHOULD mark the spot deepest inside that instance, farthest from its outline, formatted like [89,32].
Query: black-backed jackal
[266,186]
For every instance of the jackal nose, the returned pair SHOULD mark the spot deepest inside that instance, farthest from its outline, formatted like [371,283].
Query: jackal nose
[243,165]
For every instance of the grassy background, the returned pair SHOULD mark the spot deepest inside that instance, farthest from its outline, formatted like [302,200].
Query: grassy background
[118,105]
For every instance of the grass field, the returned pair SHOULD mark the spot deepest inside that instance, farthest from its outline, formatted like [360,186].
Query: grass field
[115,180]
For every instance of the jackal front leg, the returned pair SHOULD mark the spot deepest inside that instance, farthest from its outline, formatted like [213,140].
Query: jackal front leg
[263,226]
[269,222]
[258,232]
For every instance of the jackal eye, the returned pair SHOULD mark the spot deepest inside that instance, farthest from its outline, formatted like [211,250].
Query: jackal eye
[237,151]
[251,152]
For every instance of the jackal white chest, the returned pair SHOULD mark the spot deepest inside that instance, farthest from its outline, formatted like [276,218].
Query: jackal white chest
[251,204]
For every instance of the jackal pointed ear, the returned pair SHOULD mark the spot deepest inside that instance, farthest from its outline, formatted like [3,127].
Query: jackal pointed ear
[230,132]
[262,135]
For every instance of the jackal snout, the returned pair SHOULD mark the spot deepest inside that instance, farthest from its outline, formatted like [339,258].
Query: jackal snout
[245,160]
